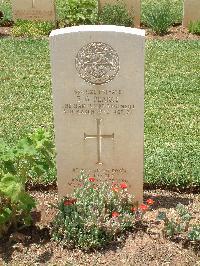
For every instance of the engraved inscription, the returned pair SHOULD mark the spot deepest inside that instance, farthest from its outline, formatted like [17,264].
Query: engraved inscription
[34,10]
[34,14]
[97,63]
[99,138]
[96,102]
[109,174]
[102,173]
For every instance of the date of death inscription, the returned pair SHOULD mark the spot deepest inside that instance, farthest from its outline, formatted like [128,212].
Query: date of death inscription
[95,102]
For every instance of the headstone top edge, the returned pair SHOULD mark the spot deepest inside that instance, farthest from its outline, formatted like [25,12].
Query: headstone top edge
[98,28]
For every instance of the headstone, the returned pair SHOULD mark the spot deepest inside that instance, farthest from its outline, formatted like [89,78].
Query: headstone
[191,11]
[133,7]
[41,10]
[98,98]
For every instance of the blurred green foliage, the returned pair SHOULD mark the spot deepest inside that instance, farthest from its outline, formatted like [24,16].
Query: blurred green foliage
[26,28]
[115,15]
[194,27]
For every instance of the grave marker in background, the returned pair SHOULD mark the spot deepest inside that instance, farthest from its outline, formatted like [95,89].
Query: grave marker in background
[191,11]
[42,10]
[133,6]
[98,98]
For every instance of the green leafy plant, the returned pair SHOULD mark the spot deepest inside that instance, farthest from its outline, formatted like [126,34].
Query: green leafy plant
[77,12]
[175,5]
[31,156]
[159,17]
[26,28]
[194,27]
[115,14]
[95,214]
[194,233]
[180,224]
[5,13]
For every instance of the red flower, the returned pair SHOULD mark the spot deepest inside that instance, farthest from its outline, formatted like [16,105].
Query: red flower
[143,207]
[69,202]
[115,189]
[150,202]
[115,214]
[123,185]
[133,209]
[91,179]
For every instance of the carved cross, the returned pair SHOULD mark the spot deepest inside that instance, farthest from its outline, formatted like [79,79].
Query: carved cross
[99,138]
[33,3]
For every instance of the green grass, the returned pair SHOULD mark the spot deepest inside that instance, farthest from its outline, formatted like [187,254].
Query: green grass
[172,143]
[25,91]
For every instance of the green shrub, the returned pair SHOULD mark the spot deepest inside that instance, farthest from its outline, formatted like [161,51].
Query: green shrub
[176,10]
[95,214]
[180,224]
[76,12]
[31,156]
[194,27]
[15,203]
[176,7]
[115,15]
[159,18]
[5,13]
[26,28]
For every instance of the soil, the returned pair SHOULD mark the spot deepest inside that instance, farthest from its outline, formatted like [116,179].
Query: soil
[5,31]
[176,32]
[144,246]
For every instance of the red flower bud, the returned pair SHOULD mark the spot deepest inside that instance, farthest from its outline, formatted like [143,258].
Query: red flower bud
[69,202]
[91,179]
[133,209]
[115,214]
[143,207]
[123,185]
[150,202]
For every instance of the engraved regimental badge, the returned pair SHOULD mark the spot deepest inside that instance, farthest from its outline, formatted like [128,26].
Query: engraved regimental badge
[97,63]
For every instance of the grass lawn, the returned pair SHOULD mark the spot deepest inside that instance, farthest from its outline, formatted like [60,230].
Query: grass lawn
[171,103]
[25,92]
[172,148]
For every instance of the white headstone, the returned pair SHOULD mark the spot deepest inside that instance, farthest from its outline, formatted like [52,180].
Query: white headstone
[191,11]
[98,98]
[42,10]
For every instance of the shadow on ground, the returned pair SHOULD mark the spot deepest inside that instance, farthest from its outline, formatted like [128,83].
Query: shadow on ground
[26,237]
[167,202]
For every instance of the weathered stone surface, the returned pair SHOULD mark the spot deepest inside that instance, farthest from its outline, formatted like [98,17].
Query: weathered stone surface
[42,10]
[191,11]
[98,97]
